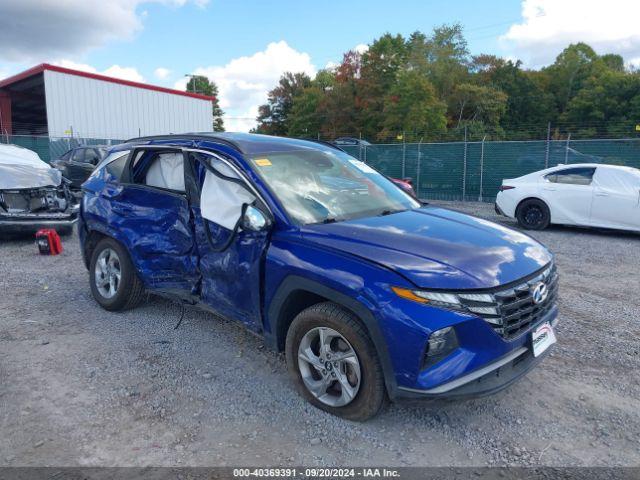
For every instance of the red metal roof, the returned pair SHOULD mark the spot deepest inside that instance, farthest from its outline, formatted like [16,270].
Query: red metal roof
[54,68]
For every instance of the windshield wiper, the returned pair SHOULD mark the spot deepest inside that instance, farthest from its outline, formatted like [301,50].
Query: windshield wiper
[389,212]
[329,220]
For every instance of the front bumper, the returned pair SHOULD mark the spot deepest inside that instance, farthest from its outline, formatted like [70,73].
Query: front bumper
[32,223]
[487,380]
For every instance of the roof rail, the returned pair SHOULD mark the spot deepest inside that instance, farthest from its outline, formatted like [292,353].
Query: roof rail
[188,136]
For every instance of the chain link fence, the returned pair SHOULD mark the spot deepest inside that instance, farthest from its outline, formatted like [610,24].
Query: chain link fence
[471,171]
[50,148]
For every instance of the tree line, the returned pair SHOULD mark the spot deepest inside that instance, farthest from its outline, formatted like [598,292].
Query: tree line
[429,88]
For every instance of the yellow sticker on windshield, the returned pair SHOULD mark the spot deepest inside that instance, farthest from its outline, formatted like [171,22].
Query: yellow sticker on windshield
[262,162]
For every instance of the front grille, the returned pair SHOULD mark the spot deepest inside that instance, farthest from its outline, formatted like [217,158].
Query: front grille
[512,311]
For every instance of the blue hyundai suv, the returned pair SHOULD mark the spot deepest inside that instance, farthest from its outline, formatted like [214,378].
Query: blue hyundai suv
[371,294]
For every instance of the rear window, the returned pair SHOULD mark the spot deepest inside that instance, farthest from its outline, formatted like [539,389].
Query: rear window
[572,176]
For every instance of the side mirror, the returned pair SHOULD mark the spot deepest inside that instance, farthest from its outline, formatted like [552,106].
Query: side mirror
[253,220]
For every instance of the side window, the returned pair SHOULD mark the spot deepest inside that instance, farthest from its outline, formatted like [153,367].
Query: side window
[159,169]
[91,156]
[78,155]
[115,164]
[67,155]
[572,176]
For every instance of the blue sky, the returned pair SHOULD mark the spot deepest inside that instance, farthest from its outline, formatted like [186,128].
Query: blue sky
[245,45]
[192,36]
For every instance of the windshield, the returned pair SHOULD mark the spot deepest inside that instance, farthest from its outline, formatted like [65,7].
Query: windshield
[316,186]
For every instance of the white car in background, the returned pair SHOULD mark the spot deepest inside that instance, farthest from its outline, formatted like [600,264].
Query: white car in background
[586,194]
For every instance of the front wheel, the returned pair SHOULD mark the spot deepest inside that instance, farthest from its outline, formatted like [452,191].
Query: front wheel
[114,282]
[334,363]
[533,214]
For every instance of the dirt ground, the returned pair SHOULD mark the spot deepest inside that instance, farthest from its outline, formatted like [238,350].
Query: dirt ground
[80,386]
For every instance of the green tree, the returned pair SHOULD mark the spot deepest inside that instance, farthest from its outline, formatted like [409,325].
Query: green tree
[273,116]
[447,58]
[412,106]
[529,106]
[568,73]
[202,85]
[381,63]
[608,104]
[306,116]
[478,105]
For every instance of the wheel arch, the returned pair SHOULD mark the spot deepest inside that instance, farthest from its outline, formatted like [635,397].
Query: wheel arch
[298,293]
[532,197]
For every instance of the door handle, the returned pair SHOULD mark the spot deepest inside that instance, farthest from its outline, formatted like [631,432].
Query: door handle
[602,194]
[549,189]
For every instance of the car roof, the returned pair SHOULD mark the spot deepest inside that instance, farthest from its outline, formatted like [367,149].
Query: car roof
[562,166]
[245,143]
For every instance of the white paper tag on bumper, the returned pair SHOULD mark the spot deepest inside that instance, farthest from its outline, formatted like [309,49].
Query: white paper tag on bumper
[542,338]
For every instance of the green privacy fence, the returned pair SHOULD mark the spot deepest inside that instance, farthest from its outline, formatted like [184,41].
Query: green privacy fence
[440,171]
[474,170]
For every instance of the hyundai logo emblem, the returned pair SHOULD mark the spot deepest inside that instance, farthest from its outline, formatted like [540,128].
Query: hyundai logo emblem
[540,292]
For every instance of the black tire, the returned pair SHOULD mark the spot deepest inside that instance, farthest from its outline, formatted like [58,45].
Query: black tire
[371,396]
[130,291]
[533,214]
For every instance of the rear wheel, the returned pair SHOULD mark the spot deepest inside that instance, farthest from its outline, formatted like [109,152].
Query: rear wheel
[533,214]
[334,364]
[114,282]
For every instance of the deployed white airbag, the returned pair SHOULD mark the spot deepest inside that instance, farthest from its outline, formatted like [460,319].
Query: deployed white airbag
[221,200]
[167,172]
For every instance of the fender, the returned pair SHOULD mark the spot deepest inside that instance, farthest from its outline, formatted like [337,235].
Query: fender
[293,283]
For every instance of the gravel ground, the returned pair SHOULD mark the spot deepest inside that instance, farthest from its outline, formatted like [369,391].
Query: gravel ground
[82,386]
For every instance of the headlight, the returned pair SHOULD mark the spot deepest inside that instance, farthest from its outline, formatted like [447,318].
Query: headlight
[437,299]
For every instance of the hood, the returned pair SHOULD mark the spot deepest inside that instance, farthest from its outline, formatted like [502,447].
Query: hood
[21,168]
[25,176]
[436,248]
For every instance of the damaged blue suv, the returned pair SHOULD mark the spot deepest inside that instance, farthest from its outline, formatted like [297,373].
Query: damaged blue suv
[371,295]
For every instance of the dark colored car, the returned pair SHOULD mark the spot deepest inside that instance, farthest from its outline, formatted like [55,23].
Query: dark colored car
[77,164]
[370,294]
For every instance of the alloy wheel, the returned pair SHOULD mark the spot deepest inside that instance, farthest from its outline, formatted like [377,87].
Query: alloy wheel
[533,215]
[329,366]
[108,273]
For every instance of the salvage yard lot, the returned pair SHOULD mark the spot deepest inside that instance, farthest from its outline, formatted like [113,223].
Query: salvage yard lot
[83,386]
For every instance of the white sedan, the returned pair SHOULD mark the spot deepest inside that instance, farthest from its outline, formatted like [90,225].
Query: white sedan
[586,194]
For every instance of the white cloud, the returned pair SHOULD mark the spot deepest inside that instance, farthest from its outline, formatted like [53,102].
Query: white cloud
[548,26]
[125,73]
[33,30]
[162,73]
[244,82]
[361,48]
